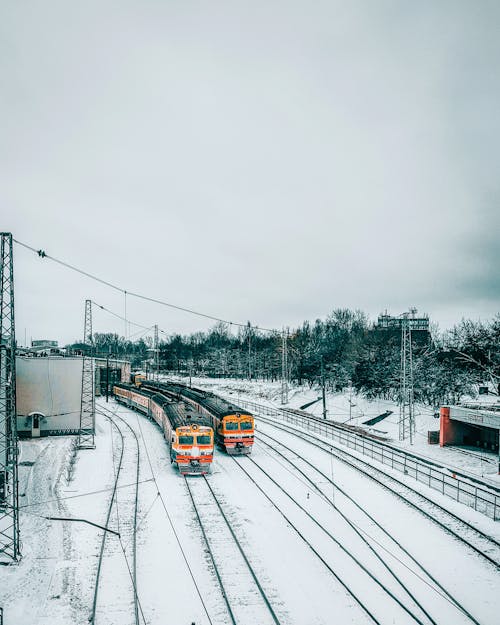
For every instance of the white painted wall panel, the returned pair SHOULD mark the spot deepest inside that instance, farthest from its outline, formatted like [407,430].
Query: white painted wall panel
[51,386]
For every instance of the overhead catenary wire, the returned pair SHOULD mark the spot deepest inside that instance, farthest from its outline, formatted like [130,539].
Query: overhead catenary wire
[43,254]
[132,323]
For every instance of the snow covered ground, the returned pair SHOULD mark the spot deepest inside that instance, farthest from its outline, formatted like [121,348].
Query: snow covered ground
[355,410]
[54,582]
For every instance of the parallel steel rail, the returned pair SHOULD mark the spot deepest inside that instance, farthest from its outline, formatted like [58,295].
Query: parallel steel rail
[112,416]
[465,532]
[324,477]
[466,489]
[237,543]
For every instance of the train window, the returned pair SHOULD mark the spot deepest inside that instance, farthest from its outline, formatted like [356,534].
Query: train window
[246,425]
[186,440]
[203,439]
[231,425]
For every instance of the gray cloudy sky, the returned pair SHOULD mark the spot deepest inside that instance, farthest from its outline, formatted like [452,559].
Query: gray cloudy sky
[264,161]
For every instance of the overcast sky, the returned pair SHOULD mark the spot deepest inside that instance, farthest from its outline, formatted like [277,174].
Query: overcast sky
[263,161]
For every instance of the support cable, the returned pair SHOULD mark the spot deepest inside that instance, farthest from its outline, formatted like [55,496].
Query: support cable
[42,254]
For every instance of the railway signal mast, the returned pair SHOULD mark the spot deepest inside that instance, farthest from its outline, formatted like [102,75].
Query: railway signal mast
[406,399]
[87,406]
[9,494]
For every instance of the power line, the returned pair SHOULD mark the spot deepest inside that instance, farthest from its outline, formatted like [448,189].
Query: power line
[42,254]
[132,323]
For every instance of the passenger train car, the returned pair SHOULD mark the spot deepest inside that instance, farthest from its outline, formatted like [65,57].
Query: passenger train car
[233,426]
[190,438]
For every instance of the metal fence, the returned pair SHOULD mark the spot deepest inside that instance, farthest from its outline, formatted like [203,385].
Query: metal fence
[443,480]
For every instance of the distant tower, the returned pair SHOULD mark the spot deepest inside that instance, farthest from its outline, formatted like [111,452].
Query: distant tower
[87,406]
[284,368]
[9,496]
[157,354]
[406,400]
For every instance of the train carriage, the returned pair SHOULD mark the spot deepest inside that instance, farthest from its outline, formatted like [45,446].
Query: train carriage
[233,426]
[190,437]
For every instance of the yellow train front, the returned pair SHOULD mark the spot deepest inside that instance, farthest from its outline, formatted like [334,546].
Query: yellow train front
[192,449]
[235,433]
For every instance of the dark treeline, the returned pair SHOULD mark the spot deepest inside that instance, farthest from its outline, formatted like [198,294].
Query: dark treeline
[345,346]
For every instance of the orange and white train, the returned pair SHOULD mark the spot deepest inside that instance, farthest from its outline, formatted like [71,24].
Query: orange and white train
[190,439]
[234,427]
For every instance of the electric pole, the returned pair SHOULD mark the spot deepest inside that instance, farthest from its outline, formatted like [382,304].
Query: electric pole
[9,493]
[249,351]
[284,368]
[406,399]
[157,353]
[87,406]
[323,393]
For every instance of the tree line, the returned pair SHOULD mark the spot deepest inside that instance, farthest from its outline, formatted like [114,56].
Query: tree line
[343,350]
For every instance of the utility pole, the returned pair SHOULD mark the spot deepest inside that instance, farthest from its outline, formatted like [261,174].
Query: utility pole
[87,406]
[157,353]
[284,368]
[107,377]
[9,488]
[249,351]
[323,393]
[406,400]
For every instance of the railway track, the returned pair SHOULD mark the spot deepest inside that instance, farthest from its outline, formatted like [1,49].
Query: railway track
[481,494]
[378,600]
[127,519]
[311,476]
[487,547]
[232,566]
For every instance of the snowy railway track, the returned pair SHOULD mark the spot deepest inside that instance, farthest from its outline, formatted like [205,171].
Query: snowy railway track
[128,522]
[351,578]
[481,543]
[229,560]
[310,475]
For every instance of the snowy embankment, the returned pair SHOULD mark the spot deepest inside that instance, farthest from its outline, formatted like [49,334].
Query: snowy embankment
[54,583]
[352,409]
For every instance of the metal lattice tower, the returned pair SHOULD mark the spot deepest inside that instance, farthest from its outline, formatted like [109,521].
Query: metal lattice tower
[87,407]
[157,354]
[406,400]
[284,368]
[9,494]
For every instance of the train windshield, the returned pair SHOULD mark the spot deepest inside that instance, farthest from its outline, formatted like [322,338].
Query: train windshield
[186,440]
[246,425]
[203,439]
[231,425]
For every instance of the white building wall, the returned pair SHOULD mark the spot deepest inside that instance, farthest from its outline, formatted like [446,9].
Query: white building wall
[51,386]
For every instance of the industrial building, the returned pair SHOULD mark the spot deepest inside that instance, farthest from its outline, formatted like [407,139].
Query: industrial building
[48,395]
[108,371]
[49,391]
[470,425]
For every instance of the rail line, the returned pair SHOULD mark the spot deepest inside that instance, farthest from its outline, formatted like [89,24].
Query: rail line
[481,494]
[335,574]
[434,583]
[113,417]
[483,544]
[382,587]
[241,609]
